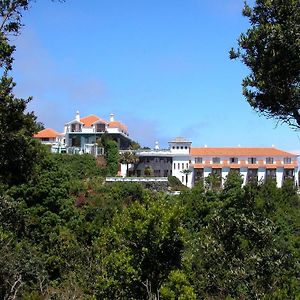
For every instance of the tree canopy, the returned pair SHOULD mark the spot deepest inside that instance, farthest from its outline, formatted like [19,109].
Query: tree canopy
[270,48]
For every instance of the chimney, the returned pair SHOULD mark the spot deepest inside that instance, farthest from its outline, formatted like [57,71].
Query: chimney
[111,117]
[77,117]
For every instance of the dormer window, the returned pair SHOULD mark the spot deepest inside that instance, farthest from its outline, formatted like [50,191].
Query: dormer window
[269,160]
[100,127]
[287,160]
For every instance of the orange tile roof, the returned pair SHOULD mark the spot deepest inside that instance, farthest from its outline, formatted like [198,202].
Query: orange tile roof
[46,133]
[89,120]
[239,151]
[117,124]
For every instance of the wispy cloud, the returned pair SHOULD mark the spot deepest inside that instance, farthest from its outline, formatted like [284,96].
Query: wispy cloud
[57,92]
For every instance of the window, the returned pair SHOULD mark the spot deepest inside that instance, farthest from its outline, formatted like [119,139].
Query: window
[198,175]
[233,160]
[271,173]
[166,173]
[181,147]
[288,174]
[182,179]
[269,160]
[216,172]
[174,166]
[178,166]
[157,173]
[177,147]
[252,160]
[182,165]
[198,160]
[216,160]
[173,147]
[45,139]
[252,175]
[187,165]
[75,127]
[185,147]
[100,127]
[287,160]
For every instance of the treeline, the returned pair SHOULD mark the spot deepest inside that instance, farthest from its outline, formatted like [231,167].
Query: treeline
[64,234]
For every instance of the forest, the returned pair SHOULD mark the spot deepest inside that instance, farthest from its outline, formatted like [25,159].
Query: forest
[64,234]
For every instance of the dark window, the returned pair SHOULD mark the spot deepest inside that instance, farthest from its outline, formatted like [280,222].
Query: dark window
[252,160]
[287,160]
[198,160]
[252,175]
[269,160]
[271,173]
[216,160]
[156,173]
[45,139]
[233,160]
[75,142]
[216,172]
[198,175]
[100,127]
[288,174]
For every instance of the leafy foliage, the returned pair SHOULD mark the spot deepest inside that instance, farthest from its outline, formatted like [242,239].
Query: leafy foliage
[112,157]
[270,49]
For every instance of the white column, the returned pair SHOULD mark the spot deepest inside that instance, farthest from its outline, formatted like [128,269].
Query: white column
[279,177]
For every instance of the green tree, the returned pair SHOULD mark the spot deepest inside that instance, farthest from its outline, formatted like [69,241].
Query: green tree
[112,157]
[270,48]
[186,172]
[18,152]
[139,249]
[128,157]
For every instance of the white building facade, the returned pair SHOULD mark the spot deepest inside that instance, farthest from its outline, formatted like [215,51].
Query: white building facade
[192,165]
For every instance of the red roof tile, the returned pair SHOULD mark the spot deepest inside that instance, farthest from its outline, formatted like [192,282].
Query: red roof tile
[46,133]
[239,151]
[89,120]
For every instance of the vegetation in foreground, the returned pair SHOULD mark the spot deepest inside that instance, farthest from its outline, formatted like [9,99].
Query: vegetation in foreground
[64,234]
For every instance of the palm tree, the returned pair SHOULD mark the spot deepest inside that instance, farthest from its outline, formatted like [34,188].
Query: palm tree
[186,172]
[128,157]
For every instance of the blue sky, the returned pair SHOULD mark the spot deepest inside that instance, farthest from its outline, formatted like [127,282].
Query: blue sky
[161,67]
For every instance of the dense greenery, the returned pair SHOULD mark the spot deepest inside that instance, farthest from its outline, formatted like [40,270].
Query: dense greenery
[66,234]
[270,48]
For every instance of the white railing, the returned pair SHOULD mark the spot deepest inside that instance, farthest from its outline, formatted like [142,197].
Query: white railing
[136,179]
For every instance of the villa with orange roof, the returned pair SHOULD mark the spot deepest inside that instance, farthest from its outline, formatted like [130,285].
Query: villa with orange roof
[49,136]
[82,134]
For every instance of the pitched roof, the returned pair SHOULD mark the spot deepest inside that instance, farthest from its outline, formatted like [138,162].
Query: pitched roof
[239,151]
[117,124]
[46,133]
[89,120]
